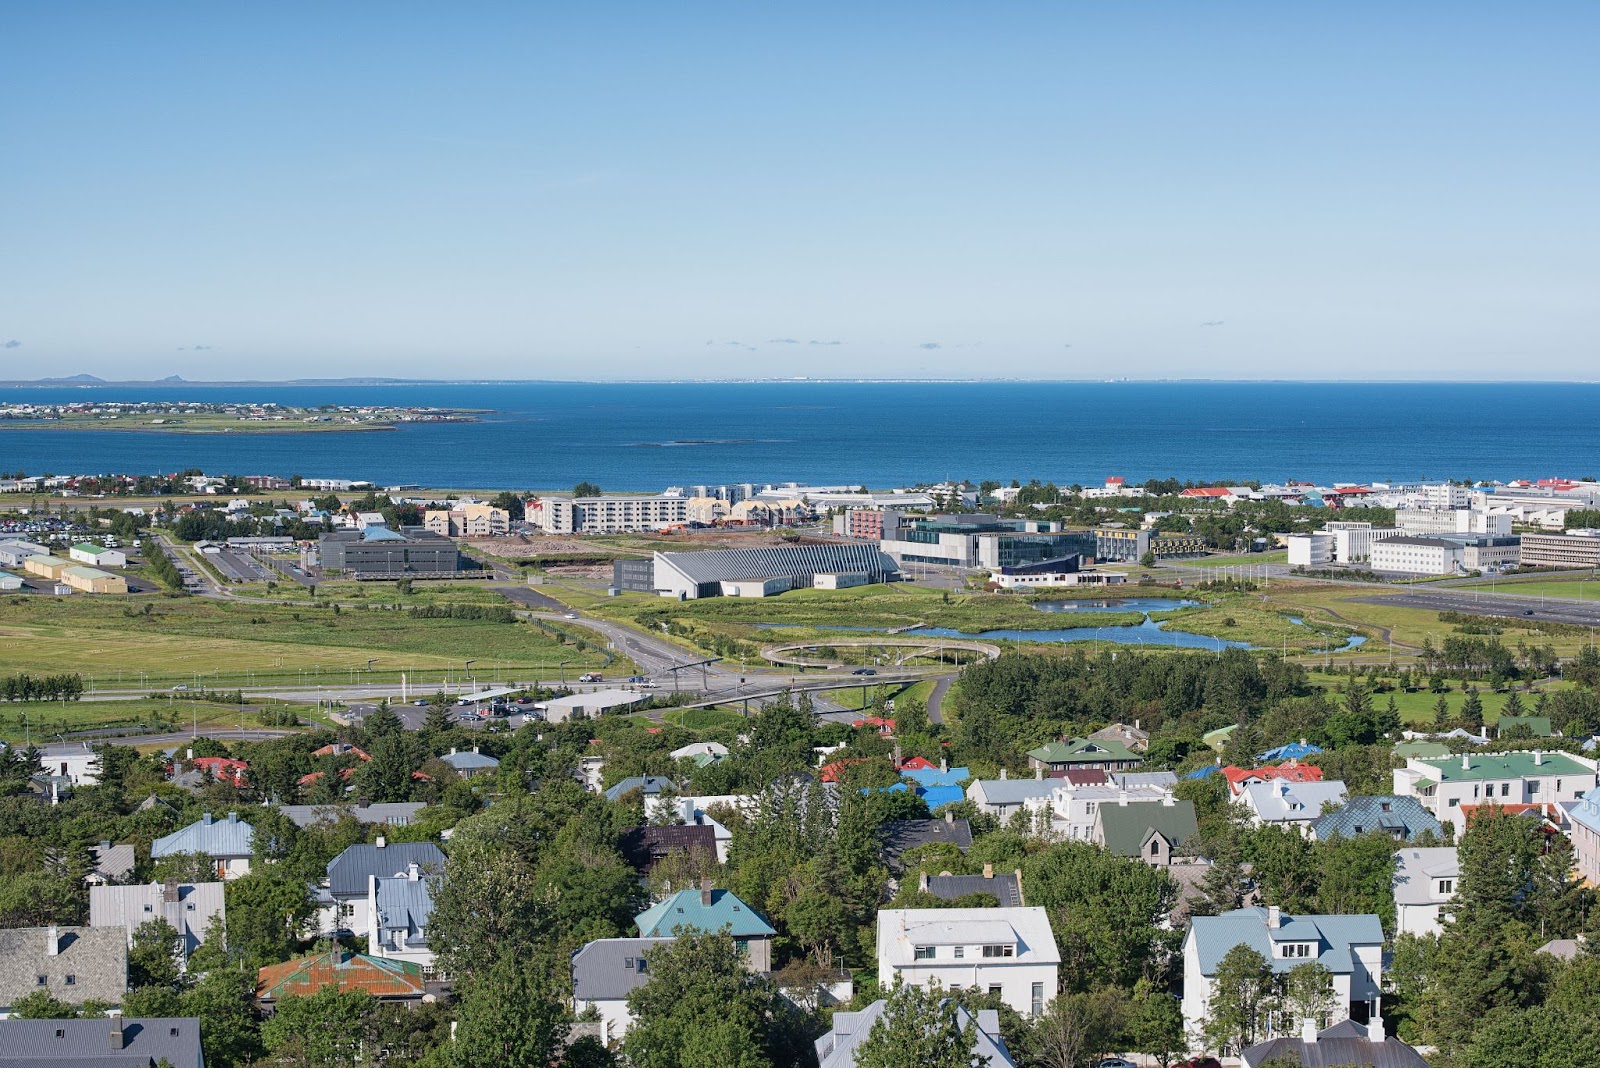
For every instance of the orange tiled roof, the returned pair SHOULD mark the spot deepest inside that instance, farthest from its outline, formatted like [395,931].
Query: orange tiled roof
[380,977]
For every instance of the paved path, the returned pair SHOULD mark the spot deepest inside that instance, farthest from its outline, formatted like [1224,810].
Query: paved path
[936,699]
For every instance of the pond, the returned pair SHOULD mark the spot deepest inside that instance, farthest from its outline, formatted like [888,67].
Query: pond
[1354,641]
[1123,604]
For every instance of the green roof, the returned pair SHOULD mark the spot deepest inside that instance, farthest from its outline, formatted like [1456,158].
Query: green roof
[1539,725]
[85,547]
[1125,826]
[1083,751]
[1516,765]
[1218,738]
[1422,749]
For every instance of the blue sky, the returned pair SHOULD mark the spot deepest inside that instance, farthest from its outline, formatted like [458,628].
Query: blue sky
[1051,189]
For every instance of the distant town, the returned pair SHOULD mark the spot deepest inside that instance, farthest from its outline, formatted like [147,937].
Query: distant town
[196,417]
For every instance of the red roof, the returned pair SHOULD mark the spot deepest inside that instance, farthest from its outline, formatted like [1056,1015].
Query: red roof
[1206,491]
[1083,776]
[223,768]
[918,764]
[1114,480]
[340,749]
[881,725]
[378,976]
[1238,778]
[833,771]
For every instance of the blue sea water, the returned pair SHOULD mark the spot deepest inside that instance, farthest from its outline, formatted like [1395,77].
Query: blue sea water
[637,436]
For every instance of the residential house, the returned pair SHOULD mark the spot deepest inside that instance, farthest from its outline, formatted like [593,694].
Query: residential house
[229,843]
[1584,817]
[702,753]
[1005,887]
[1133,736]
[1107,755]
[387,980]
[648,785]
[114,1041]
[939,786]
[899,837]
[388,814]
[112,864]
[1074,810]
[213,769]
[1294,771]
[1293,805]
[1425,881]
[1292,751]
[645,847]
[79,764]
[690,811]
[194,910]
[837,1048]
[1401,818]
[471,764]
[350,876]
[1347,1044]
[1004,797]
[398,910]
[1010,952]
[707,909]
[1446,784]
[604,973]
[1152,833]
[71,964]
[1350,947]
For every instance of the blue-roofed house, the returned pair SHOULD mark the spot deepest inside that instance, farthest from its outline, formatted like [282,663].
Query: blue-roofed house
[938,786]
[707,910]
[1201,773]
[1401,818]
[1002,798]
[471,763]
[1293,751]
[229,843]
[648,785]
[398,910]
[1584,817]
[350,874]
[1350,947]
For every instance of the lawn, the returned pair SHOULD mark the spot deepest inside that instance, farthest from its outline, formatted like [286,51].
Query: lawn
[704,719]
[376,594]
[46,721]
[157,641]
[1418,708]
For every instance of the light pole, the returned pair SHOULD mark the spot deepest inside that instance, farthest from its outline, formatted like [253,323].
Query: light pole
[468,671]
[562,667]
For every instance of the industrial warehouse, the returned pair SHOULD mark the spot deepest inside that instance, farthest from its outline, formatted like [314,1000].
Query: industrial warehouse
[756,572]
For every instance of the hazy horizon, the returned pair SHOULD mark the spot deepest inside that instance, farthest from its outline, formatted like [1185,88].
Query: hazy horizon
[1026,192]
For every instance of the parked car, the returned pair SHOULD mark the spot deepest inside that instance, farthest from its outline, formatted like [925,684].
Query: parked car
[863,671]
[524,700]
[1201,1062]
[421,702]
[1115,1062]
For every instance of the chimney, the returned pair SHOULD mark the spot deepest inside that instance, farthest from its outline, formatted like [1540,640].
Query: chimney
[381,842]
[413,872]
[705,892]
[1274,917]
[950,818]
[1375,1028]
[1465,763]
[1002,773]
[206,819]
[1137,725]
[1538,757]
[169,891]
[105,844]
[1169,800]
[988,871]
[1483,732]
[922,882]
[191,753]
[118,1039]
[1038,773]
[944,764]
[1122,799]
[897,760]
[52,935]
[233,817]
[1308,1029]
[452,750]
[474,749]
[1020,899]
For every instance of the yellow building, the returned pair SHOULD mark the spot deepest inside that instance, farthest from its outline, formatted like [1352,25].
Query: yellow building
[468,521]
[49,567]
[93,580]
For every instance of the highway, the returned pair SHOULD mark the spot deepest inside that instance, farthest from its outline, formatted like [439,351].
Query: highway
[1487,603]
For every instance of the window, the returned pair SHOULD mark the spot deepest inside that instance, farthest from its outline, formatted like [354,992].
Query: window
[961,952]
[641,965]
[346,910]
[1295,949]
[1000,951]
[1447,886]
[925,953]
[190,906]
[1454,801]
[72,980]
[149,908]
[1533,786]
[1505,789]
[1036,1003]
[43,980]
[627,963]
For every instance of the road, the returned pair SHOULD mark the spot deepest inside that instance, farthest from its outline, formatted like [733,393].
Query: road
[1485,603]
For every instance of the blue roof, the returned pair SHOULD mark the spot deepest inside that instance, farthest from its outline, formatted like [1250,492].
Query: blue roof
[348,872]
[382,534]
[217,838]
[650,784]
[1334,935]
[1292,751]
[686,909]
[1200,773]
[404,905]
[1586,812]
[935,777]
[1402,817]
[939,796]
[466,761]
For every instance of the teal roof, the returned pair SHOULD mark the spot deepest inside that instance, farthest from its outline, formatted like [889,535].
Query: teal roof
[686,909]
[1518,765]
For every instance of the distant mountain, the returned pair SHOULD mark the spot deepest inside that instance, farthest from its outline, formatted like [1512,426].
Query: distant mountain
[172,378]
[76,380]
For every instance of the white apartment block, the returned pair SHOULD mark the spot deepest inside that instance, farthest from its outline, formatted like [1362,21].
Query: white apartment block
[1452,521]
[1413,555]
[1445,495]
[1447,786]
[1006,951]
[611,515]
[1424,884]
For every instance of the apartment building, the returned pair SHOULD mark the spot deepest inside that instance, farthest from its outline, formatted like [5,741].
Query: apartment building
[1413,555]
[1009,952]
[1447,785]
[467,521]
[1575,548]
[611,515]
[1452,521]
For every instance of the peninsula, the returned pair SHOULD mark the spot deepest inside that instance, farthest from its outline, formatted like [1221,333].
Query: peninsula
[197,417]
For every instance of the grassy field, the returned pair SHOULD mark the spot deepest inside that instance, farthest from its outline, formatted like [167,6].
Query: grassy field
[376,594]
[47,721]
[1577,587]
[114,642]
[704,719]
[1418,708]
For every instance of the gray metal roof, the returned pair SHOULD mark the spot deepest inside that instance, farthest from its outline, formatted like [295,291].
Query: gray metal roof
[469,761]
[837,1048]
[1012,791]
[91,964]
[404,906]
[774,561]
[1003,886]
[228,837]
[395,813]
[112,861]
[1337,1047]
[1415,869]
[195,910]
[1334,935]
[608,968]
[144,1042]
[898,836]
[650,784]
[348,872]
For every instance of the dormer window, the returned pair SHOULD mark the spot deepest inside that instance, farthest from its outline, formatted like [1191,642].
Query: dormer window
[1447,886]
[1000,951]
[1294,949]
[927,953]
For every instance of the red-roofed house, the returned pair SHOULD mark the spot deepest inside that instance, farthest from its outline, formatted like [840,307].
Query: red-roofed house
[341,749]
[223,769]
[833,771]
[1208,493]
[1239,778]
[384,978]
[917,763]
[877,723]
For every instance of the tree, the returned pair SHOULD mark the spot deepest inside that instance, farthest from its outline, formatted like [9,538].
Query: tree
[266,911]
[153,958]
[1155,1024]
[1148,559]
[487,907]
[1308,992]
[921,1029]
[323,1029]
[586,489]
[1241,997]
[1106,911]
[224,1000]
[387,776]
[511,1016]
[1471,715]
[42,1005]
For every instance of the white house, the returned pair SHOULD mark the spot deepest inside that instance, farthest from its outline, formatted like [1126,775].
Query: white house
[1006,951]
[1074,810]
[398,910]
[1295,805]
[1003,797]
[1424,883]
[78,763]
[1447,785]
[1350,947]
[604,972]
[229,843]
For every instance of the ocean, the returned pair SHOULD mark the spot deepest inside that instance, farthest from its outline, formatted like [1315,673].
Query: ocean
[645,436]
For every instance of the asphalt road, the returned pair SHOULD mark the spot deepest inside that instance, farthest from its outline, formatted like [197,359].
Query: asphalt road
[1484,603]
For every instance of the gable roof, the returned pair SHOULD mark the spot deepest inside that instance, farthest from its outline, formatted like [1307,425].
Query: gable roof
[688,910]
[348,872]
[469,761]
[645,847]
[608,969]
[1003,886]
[1277,802]
[142,1041]
[382,977]
[1403,817]
[651,785]
[1084,751]
[837,1048]
[1345,1044]
[1415,869]
[1292,772]
[94,958]
[217,838]
[901,930]
[1214,935]
[899,836]
[1292,751]
[193,909]
[404,906]
[1586,813]
[112,861]
[394,813]
[1010,791]
[1125,828]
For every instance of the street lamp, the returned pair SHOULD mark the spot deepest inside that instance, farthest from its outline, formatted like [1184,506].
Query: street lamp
[468,671]
[562,667]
